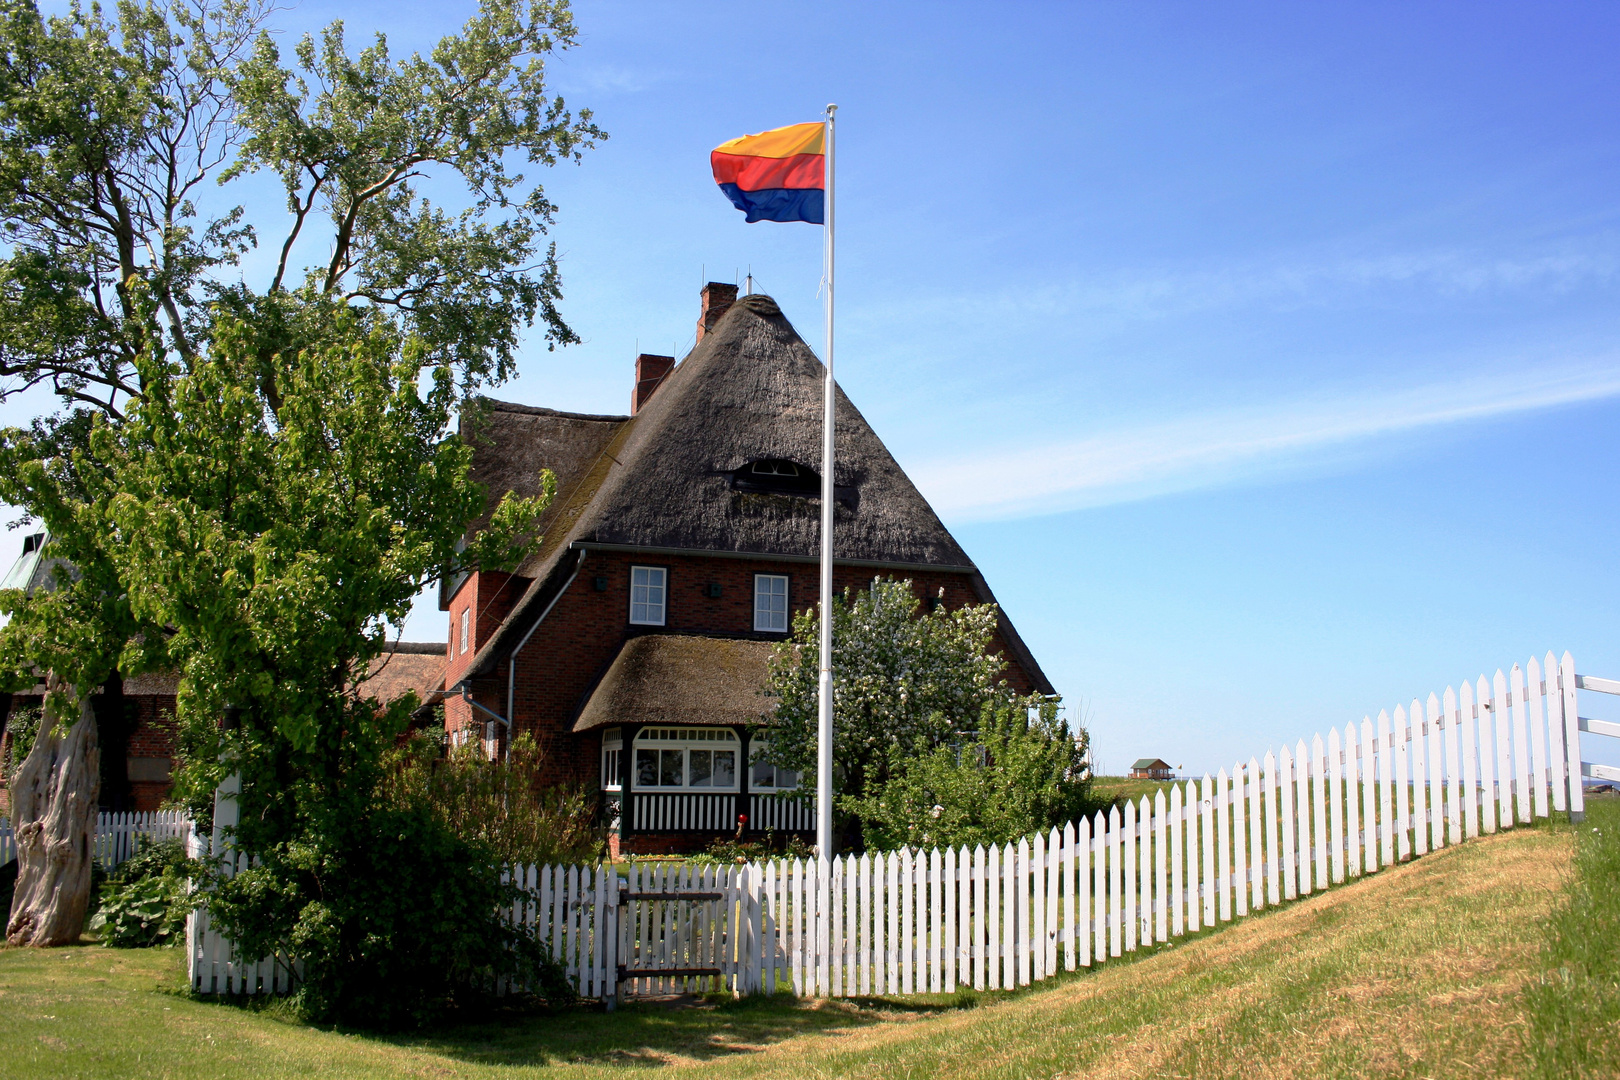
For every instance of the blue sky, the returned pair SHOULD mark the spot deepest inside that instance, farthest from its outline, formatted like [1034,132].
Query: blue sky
[1265,357]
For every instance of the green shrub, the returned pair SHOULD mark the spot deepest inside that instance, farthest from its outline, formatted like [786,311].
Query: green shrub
[145,902]
[1023,772]
[23,727]
[912,686]
[503,805]
[395,917]
[737,850]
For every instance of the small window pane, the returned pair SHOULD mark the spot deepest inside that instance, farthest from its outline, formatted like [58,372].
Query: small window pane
[786,779]
[646,768]
[725,770]
[764,775]
[770,602]
[669,768]
[701,767]
[647,595]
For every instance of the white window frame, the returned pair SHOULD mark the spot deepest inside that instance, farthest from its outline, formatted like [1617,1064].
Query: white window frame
[612,753]
[769,615]
[686,740]
[661,589]
[466,621]
[756,750]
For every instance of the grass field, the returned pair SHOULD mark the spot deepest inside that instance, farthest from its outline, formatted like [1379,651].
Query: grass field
[1420,971]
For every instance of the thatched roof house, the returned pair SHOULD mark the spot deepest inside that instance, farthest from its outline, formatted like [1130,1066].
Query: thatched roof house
[681,538]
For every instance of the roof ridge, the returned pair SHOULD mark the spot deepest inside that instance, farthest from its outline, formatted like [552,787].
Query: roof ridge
[541,410]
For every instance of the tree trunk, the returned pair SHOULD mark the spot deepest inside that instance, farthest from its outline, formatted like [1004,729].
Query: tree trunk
[53,814]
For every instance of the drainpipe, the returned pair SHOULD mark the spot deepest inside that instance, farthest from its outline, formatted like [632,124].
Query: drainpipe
[511,659]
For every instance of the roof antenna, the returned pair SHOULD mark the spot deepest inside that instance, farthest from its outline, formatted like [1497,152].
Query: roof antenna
[750,290]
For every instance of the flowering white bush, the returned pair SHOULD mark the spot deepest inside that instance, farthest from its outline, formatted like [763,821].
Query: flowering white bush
[906,683]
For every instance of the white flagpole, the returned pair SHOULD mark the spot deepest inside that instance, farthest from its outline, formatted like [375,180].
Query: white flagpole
[824,720]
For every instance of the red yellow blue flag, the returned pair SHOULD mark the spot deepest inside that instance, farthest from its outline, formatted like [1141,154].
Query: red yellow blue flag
[777,175]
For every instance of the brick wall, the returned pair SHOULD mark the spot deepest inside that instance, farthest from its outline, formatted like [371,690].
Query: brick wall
[573,647]
[149,748]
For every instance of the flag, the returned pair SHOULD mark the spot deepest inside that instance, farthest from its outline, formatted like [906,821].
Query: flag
[777,175]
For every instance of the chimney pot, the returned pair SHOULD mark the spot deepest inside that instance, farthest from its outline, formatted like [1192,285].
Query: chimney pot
[717,300]
[650,372]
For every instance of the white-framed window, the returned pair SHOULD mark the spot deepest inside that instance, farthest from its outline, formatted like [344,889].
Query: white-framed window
[771,602]
[647,595]
[466,621]
[612,747]
[763,776]
[686,759]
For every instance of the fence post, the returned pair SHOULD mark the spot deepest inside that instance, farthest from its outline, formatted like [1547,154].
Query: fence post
[1572,738]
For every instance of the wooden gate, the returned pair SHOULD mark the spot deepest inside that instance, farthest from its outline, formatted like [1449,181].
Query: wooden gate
[686,929]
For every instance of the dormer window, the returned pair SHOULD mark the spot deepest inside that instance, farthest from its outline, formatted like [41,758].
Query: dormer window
[777,476]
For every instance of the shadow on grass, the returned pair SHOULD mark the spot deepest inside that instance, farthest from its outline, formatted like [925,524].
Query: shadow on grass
[637,1033]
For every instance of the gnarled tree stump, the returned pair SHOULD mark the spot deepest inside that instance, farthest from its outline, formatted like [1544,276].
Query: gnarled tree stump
[53,816]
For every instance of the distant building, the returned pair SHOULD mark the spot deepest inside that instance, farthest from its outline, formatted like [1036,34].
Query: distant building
[1152,768]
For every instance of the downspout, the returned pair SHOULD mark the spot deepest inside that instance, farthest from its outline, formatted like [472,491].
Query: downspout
[511,659]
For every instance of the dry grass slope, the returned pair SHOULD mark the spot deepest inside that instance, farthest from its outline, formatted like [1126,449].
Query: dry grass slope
[1413,972]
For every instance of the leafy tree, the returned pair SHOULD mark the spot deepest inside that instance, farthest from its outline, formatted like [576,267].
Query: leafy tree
[1023,772]
[906,684]
[275,549]
[192,396]
[118,138]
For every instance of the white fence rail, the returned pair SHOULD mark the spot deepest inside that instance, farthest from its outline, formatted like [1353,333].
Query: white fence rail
[1480,758]
[117,834]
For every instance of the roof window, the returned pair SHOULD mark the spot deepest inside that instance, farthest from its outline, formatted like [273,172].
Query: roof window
[778,476]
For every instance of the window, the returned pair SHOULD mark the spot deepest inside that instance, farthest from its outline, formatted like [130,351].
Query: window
[764,776]
[647,595]
[771,602]
[776,476]
[612,747]
[698,759]
[466,620]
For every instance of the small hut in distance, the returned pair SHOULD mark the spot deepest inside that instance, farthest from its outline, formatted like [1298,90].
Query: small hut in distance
[1152,769]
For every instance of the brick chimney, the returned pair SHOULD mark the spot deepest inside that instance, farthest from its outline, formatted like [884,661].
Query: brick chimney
[650,372]
[717,300]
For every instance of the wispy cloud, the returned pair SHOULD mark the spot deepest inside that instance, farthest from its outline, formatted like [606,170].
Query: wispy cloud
[1289,281]
[1218,448]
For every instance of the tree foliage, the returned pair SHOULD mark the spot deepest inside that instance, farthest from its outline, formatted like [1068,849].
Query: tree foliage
[908,687]
[274,549]
[252,476]
[1023,772]
[120,140]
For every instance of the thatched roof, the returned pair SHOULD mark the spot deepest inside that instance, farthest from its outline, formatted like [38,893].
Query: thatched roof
[666,479]
[752,390]
[408,665]
[513,443]
[682,679]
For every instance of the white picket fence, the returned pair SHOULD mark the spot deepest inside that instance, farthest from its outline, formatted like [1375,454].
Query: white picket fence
[117,834]
[1480,758]
[212,964]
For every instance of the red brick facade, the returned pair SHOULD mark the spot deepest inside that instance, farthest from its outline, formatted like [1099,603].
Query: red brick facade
[137,775]
[572,648]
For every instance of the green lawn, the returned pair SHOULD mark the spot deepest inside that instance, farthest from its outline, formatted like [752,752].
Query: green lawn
[1418,971]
